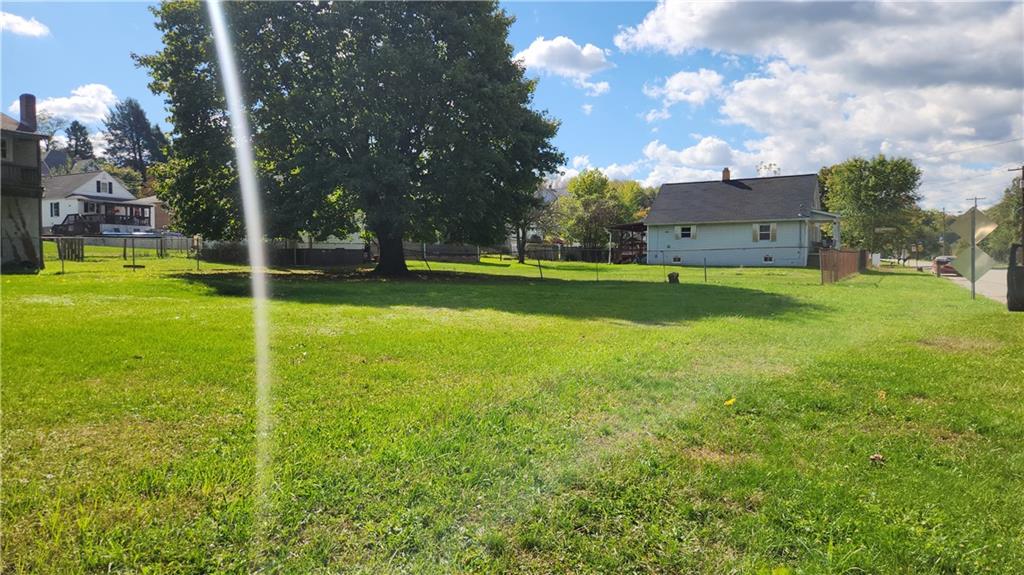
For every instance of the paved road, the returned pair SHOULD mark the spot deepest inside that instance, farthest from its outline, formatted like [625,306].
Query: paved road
[991,285]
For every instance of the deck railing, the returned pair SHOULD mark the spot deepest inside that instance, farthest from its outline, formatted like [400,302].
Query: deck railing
[20,175]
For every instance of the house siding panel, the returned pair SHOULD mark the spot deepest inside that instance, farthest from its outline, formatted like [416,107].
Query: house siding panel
[728,244]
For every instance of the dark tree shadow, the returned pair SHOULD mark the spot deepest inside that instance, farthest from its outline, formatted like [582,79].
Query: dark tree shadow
[636,302]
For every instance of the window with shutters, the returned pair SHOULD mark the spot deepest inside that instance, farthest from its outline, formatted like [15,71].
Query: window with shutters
[686,232]
[764,232]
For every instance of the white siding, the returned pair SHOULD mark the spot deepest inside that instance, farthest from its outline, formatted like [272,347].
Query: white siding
[728,245]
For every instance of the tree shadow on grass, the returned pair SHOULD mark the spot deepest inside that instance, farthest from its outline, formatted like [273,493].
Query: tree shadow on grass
[634,302]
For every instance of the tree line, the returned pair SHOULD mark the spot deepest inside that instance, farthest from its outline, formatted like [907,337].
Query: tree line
[879,197]
[582,215]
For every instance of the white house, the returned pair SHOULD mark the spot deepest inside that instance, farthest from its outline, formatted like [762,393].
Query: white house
[772,221]
[92,203]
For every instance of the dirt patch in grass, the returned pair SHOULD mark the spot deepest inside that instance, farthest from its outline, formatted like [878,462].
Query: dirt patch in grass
[957,344]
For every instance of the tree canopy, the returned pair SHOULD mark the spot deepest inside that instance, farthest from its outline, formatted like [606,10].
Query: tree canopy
[412,117]
[875,197]
[590,208]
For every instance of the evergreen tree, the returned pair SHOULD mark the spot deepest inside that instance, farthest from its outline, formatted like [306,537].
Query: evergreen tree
[132,142]
[79,146]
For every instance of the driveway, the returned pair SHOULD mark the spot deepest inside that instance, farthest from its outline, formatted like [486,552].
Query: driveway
[991,285]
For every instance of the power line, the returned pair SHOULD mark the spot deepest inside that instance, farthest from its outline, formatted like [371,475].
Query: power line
[976,147]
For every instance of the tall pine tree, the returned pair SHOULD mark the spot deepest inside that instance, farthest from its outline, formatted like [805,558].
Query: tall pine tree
[132,142]
[79,146]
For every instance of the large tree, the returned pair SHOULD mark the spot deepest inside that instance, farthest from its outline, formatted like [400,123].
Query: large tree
[79,147]
[132,142]
[875,197]
[412,115]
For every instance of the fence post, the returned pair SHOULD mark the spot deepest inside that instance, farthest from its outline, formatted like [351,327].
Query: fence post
[540,269]
[705,270]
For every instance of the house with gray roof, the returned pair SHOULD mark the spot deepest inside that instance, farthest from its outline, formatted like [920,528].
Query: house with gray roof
[771,221]
[92,204]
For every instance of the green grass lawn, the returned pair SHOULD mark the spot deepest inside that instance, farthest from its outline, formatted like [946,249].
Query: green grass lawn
[483,420]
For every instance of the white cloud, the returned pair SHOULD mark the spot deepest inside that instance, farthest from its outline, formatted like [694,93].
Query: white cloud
[620,171]
[701,161]
[20,26]
[839,79]
[580,163]
[593,88]
[587,109]
[693,88]
[655,115]
[88,104]
[563,57]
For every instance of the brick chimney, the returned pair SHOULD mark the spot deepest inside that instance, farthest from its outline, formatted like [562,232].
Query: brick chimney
[725,174]
[27,102]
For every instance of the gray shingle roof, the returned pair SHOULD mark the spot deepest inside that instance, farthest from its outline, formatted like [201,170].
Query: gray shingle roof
[741,200]
[64,186]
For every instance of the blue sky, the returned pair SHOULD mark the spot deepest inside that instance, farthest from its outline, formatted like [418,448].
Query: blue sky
[668,92]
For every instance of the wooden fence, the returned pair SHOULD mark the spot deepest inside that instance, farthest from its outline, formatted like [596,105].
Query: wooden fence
[839,264]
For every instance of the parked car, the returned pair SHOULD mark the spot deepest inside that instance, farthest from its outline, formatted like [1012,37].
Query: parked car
[943,265]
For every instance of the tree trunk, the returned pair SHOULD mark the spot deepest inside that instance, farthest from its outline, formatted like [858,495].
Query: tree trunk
[521,244]
[392,255]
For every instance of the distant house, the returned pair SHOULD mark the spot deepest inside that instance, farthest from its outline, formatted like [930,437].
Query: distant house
[20,188]
[160,214]
[92,203]
[773,221]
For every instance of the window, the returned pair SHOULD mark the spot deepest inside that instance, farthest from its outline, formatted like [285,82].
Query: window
[99,187]
[54,209]
[3,148]
[686,232]
[769,259]
[764,232]
[90,207]
[677,259]
[110,187]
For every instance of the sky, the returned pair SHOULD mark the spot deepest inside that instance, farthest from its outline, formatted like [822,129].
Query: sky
[669,91]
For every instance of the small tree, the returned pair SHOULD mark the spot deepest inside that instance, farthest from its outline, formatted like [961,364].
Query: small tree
[79,146]
[872,196]
[49,124]
[637,198]
[590,208]
[534,212]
